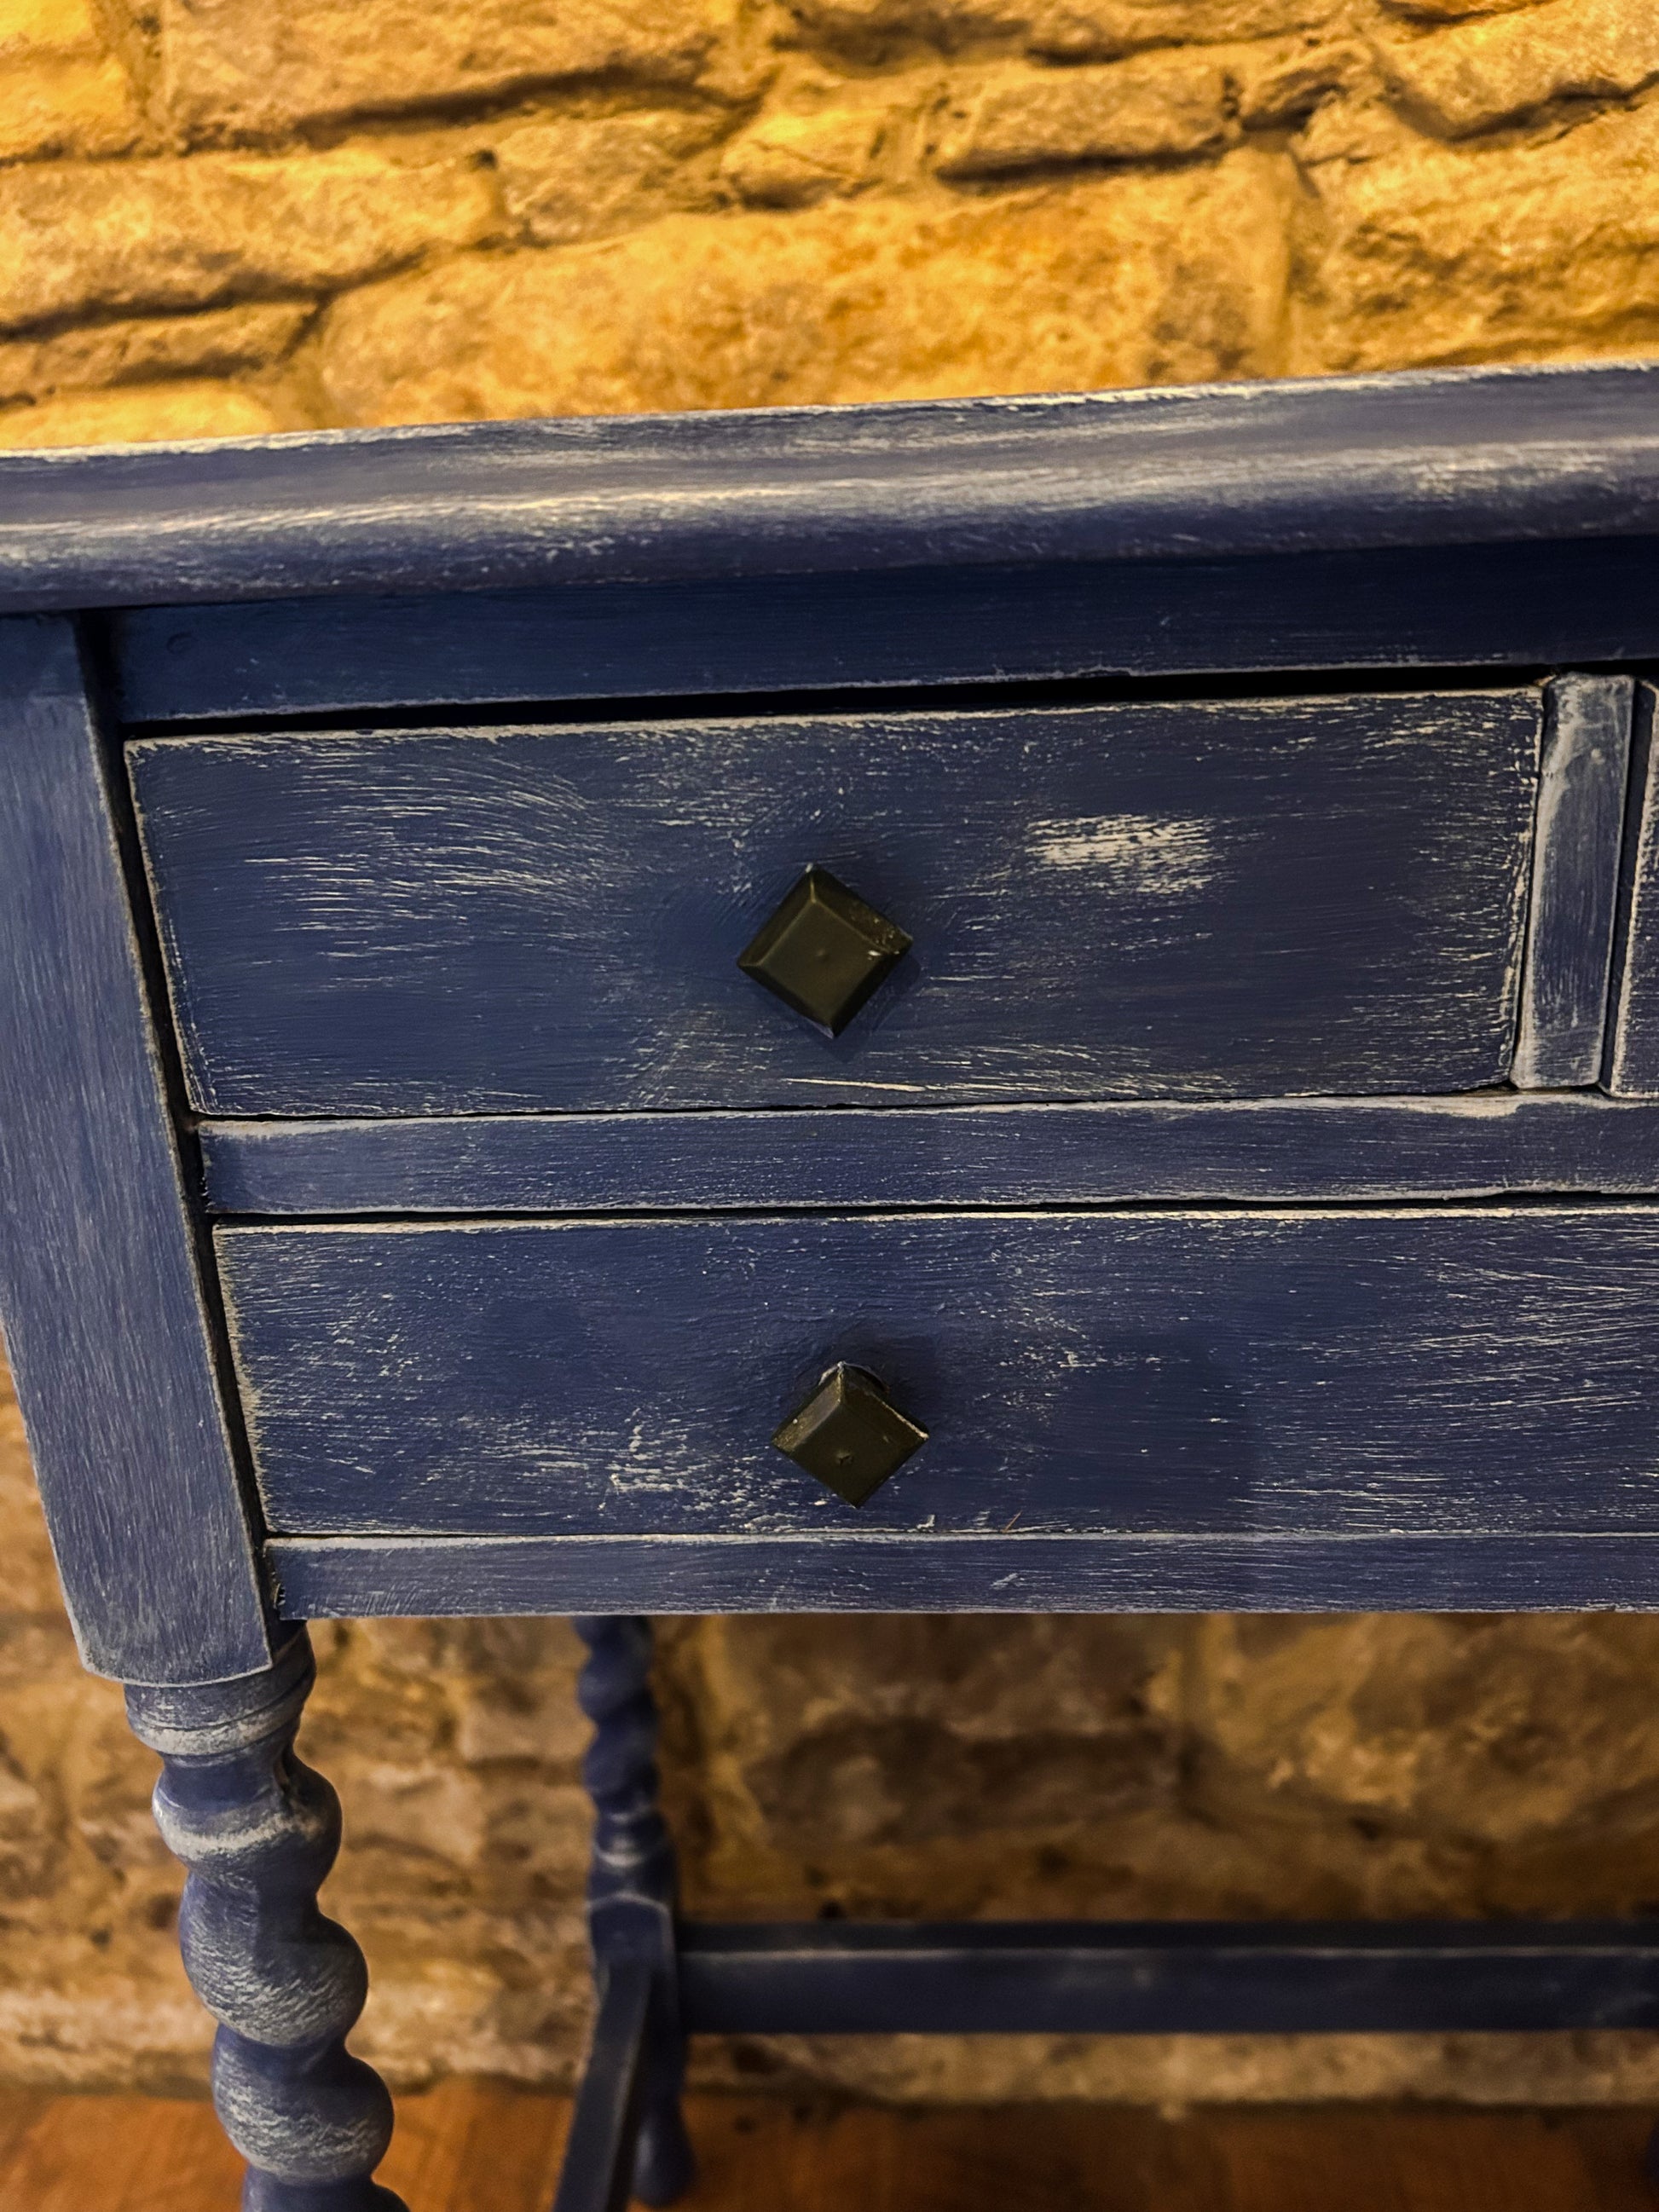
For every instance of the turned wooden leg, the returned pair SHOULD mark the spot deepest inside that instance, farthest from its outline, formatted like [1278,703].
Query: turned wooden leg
[259,1831]
[639,2060]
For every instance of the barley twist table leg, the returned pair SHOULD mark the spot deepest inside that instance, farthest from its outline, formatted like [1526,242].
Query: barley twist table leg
[259,1831]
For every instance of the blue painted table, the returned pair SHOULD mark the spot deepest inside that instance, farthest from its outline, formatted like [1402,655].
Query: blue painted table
[1083,973]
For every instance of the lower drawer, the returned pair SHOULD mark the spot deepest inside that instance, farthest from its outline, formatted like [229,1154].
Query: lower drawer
[1438,1370]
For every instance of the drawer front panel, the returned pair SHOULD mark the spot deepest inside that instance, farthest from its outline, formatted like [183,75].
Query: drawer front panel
[1429,1371]
[1317,896]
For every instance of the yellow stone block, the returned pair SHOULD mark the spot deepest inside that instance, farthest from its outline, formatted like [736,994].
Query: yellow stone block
[1155,106]
[1441,254]
[794,161]
[115,237]
[1075,30]
[141,414]
[47,27]
[61,90]
[78,105]
[222,342]
[264,66]
[575,178]
[1123,280]
[1475,77]
[1097,29]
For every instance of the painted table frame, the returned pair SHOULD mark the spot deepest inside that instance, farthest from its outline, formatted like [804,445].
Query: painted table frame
[1465,521]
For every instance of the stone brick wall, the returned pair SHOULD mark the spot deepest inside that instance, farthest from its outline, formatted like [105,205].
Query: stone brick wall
[220,216]
[230,215]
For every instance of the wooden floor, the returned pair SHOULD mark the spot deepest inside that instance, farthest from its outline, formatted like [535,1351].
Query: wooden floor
[478,2147]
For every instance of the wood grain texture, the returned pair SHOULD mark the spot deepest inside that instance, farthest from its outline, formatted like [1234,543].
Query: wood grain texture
[1098,2159]
[1445,457]
[1450,1371]
[1574,882]
[1213,899]
[1486,1145]
[345,1577]
[1167,1977]
[99,1280]
[471,2146]
[112,2154]
[1529,604]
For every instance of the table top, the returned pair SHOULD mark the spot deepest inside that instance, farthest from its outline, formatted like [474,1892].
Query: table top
[1477,456]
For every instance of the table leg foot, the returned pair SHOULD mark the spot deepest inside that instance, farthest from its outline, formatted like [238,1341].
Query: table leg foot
[664,2166]
[259,1831]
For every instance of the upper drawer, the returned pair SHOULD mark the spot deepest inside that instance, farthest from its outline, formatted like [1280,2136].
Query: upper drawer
[1196,900]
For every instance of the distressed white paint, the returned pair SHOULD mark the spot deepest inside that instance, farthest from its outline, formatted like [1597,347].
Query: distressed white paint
[1135,852]
[1575,883]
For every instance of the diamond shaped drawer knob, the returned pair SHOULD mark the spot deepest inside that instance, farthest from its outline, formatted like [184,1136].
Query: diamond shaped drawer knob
[850,1435]
[823,951]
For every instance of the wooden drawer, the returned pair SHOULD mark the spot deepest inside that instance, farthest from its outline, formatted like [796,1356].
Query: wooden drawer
[1319,895]
[1447,1371]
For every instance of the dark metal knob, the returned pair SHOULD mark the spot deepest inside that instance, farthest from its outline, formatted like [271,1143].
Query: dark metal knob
[823,951]
[850,1435]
